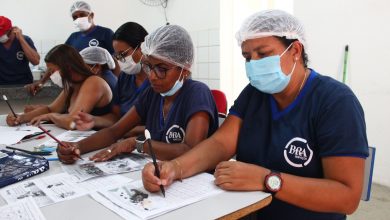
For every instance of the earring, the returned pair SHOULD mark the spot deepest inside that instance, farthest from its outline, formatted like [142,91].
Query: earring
[296,58]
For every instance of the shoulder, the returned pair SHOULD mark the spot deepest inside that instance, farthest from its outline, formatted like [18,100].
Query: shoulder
[195,86]
[104,29]
[329,89]
[94,82]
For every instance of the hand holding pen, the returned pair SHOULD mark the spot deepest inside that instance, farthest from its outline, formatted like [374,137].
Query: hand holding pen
[156,168]
[69,149]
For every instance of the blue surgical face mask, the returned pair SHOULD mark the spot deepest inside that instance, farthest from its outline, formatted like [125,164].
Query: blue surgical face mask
[266,74]
[176,87]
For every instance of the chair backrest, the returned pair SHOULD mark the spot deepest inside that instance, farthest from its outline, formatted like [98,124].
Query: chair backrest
[221,102]
[368,172]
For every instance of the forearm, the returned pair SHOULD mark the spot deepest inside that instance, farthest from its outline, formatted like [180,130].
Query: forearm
[105,121]
[135,131]
[62,120]
[321,195]
[99,140]
[203,157]
[165,151]
[25,118]
[31,54]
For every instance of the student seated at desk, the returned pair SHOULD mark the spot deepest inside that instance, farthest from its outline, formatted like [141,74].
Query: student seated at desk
[101,64]
[178,112]
[82,91]
[297,134]
[131,82]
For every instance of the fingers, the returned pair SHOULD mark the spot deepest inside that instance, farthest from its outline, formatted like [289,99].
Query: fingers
[150,181]
[104,155]
[67,154]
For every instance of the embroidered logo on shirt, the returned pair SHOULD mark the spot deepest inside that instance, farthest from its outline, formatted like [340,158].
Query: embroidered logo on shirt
[93,43]
[20,55]
[297,152]
[175,134]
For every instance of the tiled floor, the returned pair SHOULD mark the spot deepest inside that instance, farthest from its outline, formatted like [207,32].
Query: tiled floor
[378,208]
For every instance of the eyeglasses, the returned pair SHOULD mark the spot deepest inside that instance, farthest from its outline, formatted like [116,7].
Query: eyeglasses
[122,55]
[161,72]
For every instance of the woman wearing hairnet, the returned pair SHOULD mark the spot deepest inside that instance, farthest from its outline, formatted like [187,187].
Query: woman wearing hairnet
[131,82]
[297,134]
[82,91]
[178,112]
[101,63]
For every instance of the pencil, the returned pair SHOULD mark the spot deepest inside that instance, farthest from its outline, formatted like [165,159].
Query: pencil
[54,138]
[10,107]
[157,170]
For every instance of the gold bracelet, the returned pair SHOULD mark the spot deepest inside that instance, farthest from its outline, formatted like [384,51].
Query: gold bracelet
[181,171]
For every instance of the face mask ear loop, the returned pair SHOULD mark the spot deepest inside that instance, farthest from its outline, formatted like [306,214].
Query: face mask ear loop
[286,50]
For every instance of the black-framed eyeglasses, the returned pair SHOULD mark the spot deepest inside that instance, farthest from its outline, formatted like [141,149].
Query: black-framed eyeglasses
[161,72]
[122,55]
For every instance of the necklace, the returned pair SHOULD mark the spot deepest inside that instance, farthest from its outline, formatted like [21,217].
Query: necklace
[303,82]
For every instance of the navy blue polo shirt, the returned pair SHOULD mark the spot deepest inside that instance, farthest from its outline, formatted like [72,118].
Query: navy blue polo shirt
[326,119]
[193,97]
[126,91]
[110,78]
[98,36]
[14,65]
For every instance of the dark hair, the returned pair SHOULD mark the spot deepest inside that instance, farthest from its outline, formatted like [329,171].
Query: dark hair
[132,33]
[286,42]
[68,59]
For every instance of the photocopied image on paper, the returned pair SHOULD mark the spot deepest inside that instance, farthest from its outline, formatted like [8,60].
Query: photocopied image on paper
[84,170]
[25,209]
[133,198]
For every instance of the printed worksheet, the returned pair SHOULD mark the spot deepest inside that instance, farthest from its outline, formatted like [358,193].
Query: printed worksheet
[25,209]
[134,198]
[29,188]
[68,136]
[12,135]
[19,191]
[84,170]
[60,187]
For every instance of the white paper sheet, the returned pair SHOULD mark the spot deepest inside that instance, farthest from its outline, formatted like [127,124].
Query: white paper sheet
[60,187]
[25,209]
[19,191]
[25,189]
[84,170]
[68,136]
[134,198]
[12,135]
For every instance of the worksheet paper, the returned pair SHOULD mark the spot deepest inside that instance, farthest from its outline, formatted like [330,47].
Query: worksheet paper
[12,135]
[25,189]
[133,198]
[84,170]
[68,136]
[25,209]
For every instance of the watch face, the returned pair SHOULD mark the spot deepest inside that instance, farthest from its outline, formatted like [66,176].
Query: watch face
[274,183]
[140,138]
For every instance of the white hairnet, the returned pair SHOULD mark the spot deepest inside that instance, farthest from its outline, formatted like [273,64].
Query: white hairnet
[271,23]
[170,43]
[97,55]
[80,6]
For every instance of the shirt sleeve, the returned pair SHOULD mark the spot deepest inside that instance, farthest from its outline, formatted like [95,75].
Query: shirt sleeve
[341,128]
[241,103]
[30,42]
[200,99]
[69,40]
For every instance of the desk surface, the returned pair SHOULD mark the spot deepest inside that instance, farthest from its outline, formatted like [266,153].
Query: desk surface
[227,205]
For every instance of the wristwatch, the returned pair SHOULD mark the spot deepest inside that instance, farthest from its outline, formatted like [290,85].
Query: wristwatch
[273,182]
[139,143]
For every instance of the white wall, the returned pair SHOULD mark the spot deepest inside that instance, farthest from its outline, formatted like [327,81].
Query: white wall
[48,22]
[233,13]
[363,25]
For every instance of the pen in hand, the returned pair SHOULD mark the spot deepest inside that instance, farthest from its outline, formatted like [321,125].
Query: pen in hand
[10,107]
[58,141]
[157,170]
